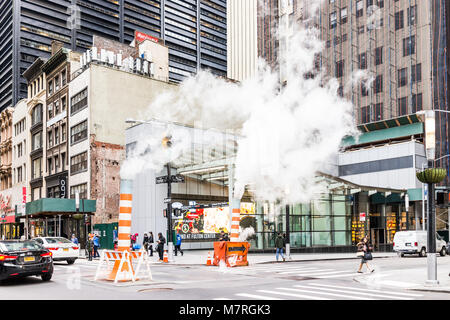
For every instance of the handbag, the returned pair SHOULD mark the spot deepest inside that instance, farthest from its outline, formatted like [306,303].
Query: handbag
[360,254]
[367,256]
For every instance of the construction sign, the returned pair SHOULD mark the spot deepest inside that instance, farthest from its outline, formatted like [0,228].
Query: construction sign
[234,254]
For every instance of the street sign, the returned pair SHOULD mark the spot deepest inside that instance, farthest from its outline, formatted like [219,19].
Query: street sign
[177,178]
[177,205]
[362,216]
[167,200]
[162,179]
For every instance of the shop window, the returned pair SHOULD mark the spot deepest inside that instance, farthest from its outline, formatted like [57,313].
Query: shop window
[402,77]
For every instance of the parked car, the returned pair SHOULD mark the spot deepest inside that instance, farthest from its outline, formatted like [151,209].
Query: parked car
[415,242]
[61,248]
[21,258]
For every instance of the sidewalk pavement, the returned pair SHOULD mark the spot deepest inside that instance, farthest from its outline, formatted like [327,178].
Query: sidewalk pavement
[411,279]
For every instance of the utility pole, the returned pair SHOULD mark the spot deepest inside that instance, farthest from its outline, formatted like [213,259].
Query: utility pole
[431,234]
[288,235]
[169,215]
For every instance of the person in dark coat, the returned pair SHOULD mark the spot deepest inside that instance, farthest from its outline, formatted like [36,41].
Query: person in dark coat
[150,243]
[279,244]
[223,236]
[161,241]
[145,243]
[89,246]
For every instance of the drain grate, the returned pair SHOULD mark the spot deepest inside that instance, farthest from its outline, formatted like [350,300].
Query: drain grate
[155,289]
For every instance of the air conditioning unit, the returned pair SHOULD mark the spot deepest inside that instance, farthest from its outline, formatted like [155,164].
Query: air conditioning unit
[119,60]
[88,56]
[110,55]
[138,65]
[145,67]
[103,55]
[152,69]
[94,54]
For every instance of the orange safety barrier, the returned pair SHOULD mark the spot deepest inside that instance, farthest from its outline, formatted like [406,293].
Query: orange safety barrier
[233,253]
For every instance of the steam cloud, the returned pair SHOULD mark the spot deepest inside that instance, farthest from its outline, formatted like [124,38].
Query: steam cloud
[288,132]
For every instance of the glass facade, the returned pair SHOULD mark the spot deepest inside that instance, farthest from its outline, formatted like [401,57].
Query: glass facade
[324,222]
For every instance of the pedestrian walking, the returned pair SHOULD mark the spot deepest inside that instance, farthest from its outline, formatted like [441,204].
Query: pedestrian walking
[279,244]
[150,243]
[178,244]
[74,239]
[365,252]
[96,242]
[223,236]
[161,241]
[145,243]
[89,246]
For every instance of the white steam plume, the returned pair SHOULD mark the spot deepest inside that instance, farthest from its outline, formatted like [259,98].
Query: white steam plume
[288,132]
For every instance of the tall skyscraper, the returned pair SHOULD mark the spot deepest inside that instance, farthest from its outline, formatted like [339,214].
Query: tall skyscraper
[268,20]
[194,30]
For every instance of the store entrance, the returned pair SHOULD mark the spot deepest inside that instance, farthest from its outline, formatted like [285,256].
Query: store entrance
[377,237]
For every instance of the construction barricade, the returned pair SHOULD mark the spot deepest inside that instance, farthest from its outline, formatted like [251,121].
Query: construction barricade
[233,253]
[128,266]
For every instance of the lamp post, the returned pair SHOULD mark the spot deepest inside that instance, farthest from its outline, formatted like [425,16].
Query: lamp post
[431,176]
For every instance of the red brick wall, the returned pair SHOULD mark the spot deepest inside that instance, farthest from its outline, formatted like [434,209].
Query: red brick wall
[105,179]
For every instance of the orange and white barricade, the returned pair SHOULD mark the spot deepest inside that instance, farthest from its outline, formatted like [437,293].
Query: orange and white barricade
[127,266]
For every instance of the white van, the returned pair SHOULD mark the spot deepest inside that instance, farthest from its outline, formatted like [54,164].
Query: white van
[415,241]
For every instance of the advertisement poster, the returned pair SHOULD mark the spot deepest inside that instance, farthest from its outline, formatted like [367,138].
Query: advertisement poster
[206,222]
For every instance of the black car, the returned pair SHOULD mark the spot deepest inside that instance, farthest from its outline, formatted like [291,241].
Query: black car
[21,258]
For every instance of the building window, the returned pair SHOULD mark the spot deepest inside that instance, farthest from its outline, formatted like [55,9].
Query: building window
[416,73]
[36,115]
[57,83]
[378,56]
[19,174]
[378,111]
[359,8]
[402,77]
[344,16]
[339,69]
[378,84]
[78,163]
[63,77]
[416,102]
[79,101]
[412,15]
[399,20]
[403,106]
[362,61]
[50,87]
[50,165]
[36,141]
[361,30]
[50,111]
[56,136]
[333,20]
[50,138]
[364,89]
[409,46]
[365,114]
[63,132]
[81,189]
[36,168]
[19,150]
[56,107]
[53,192]
[78,132]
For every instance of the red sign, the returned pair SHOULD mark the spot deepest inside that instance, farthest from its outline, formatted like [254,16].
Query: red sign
[362,216]
[8,219]
[141,37]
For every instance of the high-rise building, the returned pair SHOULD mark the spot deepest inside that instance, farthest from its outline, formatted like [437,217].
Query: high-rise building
[242,38]
[268,20]
[400,46]
[194,30]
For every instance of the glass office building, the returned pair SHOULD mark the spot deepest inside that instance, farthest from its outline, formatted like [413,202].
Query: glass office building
[194,31]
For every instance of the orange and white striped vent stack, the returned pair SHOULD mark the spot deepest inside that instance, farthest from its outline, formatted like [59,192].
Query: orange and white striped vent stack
[125,206]
[235,219]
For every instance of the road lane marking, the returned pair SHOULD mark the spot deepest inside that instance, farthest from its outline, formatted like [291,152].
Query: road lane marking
[361,293]
[307,271]
[256,296]
[293,294]
[308,290]
[368,290]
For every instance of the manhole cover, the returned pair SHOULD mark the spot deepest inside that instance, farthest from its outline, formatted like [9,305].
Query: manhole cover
[154,289]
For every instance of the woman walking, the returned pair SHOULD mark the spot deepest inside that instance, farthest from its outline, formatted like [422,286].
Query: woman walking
[150,243]
[365,252]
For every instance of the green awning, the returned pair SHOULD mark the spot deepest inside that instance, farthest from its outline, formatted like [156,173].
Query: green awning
[384,134]
[53,206]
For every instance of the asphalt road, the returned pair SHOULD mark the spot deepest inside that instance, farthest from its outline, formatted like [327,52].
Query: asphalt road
[316,280]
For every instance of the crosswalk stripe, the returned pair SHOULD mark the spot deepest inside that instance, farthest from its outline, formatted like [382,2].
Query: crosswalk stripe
[359,293]
[293,294]
[322,273]
[339,275]
[308,290]
[256,296]
[270,268]
[368,290]
[306,272]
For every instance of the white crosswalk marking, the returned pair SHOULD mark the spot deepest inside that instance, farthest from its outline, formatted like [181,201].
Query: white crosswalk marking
[369,290]
[256,296]
[359,293]
[319,292]
[292,294]
[303,271]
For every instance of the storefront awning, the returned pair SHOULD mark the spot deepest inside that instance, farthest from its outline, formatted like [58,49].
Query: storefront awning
[59,206]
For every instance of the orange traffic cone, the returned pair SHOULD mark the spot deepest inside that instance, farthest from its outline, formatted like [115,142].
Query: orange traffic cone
[209,260]
[166,257]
